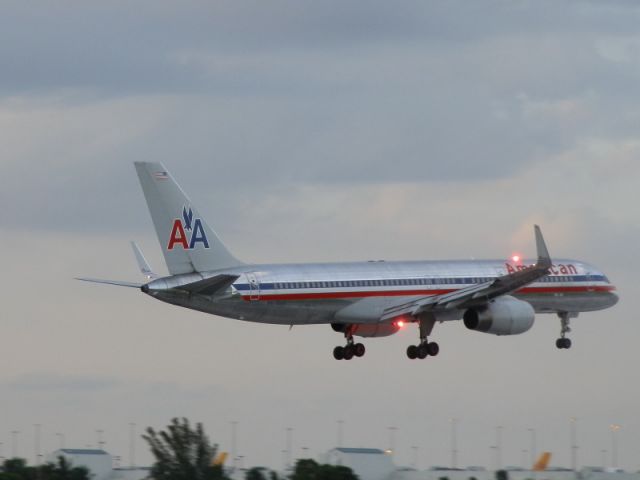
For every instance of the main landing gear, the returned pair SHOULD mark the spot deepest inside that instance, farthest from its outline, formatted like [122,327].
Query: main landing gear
[564,342]
[424,348]
[350,350]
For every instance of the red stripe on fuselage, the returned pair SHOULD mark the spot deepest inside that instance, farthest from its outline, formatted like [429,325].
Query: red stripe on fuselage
[407,293]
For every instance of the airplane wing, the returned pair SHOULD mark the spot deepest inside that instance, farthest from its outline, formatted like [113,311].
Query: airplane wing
[480,293]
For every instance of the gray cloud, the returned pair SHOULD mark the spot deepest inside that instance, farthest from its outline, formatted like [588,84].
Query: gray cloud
[55,382]
[113,48]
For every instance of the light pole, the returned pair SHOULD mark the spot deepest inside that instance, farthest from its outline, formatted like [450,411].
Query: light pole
[340,432]
[614,444]
[60,440]
[532,433]
[493,449]
[36,436]
[415,456]
[392,442]
[454,443]
[289,432]
[574,444]
[604,457]
[132,445]
[499,446]
[14,443]
[234,426]
[99,440]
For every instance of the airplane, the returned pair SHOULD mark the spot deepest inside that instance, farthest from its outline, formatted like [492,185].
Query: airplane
[360,299]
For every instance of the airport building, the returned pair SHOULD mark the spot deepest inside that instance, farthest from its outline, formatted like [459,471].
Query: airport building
[368,463]
[99,463]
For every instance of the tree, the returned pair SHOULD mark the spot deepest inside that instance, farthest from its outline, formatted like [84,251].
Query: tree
[256,473]
[307,469]
[183,453]
[335,472]
[62,470]
[17,469]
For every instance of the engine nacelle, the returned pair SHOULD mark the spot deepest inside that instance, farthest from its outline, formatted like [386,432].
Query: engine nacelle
[503,316]
[367,329]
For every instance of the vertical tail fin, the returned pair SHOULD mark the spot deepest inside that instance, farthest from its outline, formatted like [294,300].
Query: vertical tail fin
[542,463]
[187,242]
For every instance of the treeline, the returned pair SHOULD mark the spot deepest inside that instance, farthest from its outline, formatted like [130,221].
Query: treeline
[181,452]
[17,469]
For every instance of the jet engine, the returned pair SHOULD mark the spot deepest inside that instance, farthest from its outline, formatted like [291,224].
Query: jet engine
[502,316]
[367,329]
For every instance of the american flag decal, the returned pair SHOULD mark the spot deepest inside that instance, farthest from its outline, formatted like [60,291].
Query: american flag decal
[161,176]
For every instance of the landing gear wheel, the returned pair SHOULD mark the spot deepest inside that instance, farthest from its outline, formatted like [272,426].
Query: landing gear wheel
[563,343]
[559,343]
[348,352]
[567,343]
[358,349]
[423,351]
[338,353]
[412,352]
[433,349]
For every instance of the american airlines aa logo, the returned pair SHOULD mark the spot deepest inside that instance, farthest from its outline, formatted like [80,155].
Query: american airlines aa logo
[179,236]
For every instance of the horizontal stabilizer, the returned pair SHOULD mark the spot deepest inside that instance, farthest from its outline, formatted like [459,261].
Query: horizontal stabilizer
[209,286]
[110,282]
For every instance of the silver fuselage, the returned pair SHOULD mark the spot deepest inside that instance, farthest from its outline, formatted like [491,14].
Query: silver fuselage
[296,294]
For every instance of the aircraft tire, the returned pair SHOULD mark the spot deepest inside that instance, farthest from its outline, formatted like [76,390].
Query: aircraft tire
[433,348]
[412,352]
[348,352]
[338,353]
[563,343]
[359,350]
[423,351]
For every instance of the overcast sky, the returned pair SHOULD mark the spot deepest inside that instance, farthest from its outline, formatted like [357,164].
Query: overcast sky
[316,131]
